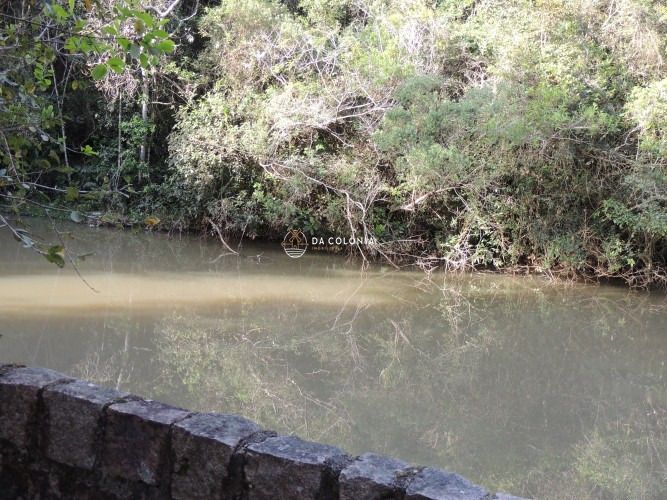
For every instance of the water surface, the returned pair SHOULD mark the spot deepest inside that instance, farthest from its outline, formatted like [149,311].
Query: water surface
[544,390]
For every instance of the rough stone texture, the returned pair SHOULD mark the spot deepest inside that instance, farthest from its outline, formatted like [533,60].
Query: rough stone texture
[436,484]
[371,476]
[4,367]
[287,467]
[19,392]
[203,446]
[62,438]
[136,440]
[74,412]
[36,478]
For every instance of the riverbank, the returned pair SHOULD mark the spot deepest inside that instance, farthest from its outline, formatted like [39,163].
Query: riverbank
[364,252]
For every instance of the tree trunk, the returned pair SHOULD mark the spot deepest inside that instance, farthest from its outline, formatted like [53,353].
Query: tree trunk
[144,114]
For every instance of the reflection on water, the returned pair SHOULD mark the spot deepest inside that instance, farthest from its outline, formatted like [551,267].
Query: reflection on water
[539,389]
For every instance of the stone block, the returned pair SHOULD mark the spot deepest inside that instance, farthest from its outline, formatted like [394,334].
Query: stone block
[435,484]
[287,467]
[19,391]
[136,440]
[74,411]
[371,476]
[5,367]
[203,445]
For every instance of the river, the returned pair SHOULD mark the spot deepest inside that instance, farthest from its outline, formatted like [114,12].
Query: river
[537,388]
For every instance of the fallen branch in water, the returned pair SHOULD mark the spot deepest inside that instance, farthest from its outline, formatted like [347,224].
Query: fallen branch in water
[217,230]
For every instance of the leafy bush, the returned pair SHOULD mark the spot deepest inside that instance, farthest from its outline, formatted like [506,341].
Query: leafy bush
[502,134]
[508,134]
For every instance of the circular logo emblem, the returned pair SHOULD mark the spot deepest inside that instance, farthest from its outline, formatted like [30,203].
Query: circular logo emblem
[295,243]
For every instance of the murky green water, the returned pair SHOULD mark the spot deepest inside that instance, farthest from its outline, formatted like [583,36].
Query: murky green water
[539,389]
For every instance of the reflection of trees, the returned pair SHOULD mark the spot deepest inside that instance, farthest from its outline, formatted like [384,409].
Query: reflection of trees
[114,369]
[537,389]
[148,251]
[571,369]
[549,392]
[235,365]
[118,354]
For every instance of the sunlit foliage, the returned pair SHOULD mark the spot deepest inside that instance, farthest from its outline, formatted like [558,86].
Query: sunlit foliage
[504,134]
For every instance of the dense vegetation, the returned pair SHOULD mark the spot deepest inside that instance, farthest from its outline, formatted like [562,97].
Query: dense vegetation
[471,133]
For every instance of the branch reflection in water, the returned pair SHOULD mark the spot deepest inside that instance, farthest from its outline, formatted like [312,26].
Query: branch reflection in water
[545,390]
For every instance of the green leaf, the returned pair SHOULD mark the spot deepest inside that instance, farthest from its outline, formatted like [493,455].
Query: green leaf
[116,64]
[124,43]
[124,10]
[166,46]
[72,44]
[159,34]
[110,30]
[65,169]
[56,255]
[72,193]
[88,151]
[70,4]
[143,60]
[60,13]
[99,71]
[146,18]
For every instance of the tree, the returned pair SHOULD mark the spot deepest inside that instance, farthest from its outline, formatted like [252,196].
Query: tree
[49,50]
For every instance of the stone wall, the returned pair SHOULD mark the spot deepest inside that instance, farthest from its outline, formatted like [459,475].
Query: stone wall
[65,438]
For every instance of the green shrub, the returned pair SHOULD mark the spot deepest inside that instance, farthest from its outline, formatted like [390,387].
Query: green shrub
[503,134]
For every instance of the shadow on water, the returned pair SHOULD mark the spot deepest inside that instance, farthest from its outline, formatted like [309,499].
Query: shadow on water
[540,389]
